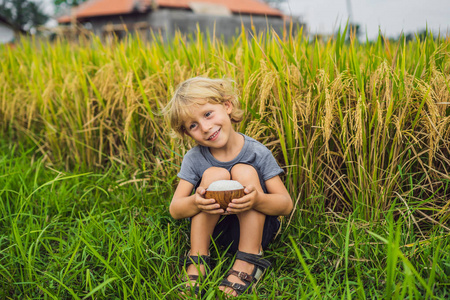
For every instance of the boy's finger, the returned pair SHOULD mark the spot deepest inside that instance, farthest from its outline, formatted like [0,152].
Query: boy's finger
[201,190]
[232,207]
[209,201]
[248,189]
[237,210]
[202,201]
[215,212]
[210,205]
[239,200]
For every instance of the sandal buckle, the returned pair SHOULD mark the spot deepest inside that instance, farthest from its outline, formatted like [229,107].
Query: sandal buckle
[244,276]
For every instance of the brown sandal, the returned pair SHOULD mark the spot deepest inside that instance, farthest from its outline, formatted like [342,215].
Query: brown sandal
[196,260]
[250,280]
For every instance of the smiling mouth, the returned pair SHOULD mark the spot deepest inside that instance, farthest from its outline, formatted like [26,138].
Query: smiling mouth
[214,135]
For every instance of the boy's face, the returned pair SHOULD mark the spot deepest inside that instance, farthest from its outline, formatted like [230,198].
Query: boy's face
[210,124]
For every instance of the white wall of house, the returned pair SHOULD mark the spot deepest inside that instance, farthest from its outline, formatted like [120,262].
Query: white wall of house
[6,33]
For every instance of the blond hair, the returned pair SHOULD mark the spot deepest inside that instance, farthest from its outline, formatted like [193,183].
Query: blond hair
[199,91]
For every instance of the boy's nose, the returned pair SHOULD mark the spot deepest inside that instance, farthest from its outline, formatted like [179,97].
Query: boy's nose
[206,126]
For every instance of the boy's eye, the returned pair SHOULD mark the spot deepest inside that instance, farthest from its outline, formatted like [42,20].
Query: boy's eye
[209,113]
[192,126]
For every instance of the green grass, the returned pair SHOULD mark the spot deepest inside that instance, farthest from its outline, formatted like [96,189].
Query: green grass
[108,235]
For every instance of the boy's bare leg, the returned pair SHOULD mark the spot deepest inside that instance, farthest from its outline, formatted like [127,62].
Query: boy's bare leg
[251,224]
[202,224]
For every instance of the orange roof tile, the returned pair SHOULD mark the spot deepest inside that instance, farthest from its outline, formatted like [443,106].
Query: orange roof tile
[115,7]
[236,6]
[92,8]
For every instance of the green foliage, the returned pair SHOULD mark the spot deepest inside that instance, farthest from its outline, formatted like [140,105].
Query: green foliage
[108,235]
[24,14]
[65,5]
[68,2]
[357,127]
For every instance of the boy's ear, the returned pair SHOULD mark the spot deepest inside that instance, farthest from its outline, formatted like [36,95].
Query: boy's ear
[228,106]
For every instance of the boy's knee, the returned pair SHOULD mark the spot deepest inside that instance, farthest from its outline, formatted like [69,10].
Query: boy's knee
[253,214]
[244,173]
[213,174]
[218,173]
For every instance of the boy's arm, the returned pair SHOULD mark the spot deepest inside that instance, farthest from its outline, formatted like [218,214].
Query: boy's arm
[277,202]
[186,205]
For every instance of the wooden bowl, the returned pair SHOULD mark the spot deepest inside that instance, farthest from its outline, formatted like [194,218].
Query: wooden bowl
[234,190]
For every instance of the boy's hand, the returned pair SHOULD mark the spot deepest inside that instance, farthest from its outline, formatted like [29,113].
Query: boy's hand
[209,206]
[245,203]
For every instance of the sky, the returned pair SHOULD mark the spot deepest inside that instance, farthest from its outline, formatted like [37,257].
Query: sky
[390,16]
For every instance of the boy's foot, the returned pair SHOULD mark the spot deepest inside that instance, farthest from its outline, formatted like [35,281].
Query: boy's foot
[195,272]
[241,266]
[245,274]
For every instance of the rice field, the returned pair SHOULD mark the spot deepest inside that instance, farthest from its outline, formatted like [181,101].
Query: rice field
[88,164]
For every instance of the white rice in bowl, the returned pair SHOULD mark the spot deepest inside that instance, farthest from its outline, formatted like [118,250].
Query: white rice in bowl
[225,185]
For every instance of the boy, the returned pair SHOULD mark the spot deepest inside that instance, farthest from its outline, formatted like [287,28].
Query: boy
[204,109]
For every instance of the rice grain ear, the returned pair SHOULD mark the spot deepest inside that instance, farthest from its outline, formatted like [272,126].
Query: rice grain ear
[267,84]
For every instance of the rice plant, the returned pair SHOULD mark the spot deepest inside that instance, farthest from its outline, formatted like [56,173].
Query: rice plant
[88,163]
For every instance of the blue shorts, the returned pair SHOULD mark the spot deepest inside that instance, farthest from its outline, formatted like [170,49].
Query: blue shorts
[226,233]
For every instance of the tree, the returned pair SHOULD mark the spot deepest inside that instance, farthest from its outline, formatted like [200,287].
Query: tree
[24,14]
[68,2]
[65,5]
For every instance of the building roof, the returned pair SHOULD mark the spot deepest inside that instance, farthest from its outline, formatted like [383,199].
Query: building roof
[254,7]
[94,8]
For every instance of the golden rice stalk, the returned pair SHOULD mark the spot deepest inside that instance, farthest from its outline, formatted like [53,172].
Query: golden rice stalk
[327,115]
[266,83]
[429,115]
[308,106]
[238,57]
[359,124]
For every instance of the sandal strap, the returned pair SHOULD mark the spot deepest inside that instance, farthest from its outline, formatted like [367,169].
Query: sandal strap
[198,260]
[237,287]
[255,259]
[192,277]
[241,275]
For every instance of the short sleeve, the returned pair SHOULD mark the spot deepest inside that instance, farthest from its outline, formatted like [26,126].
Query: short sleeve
[188,171]
[269,166]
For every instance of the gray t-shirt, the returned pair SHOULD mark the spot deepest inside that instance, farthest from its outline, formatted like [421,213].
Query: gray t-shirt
[198,159]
